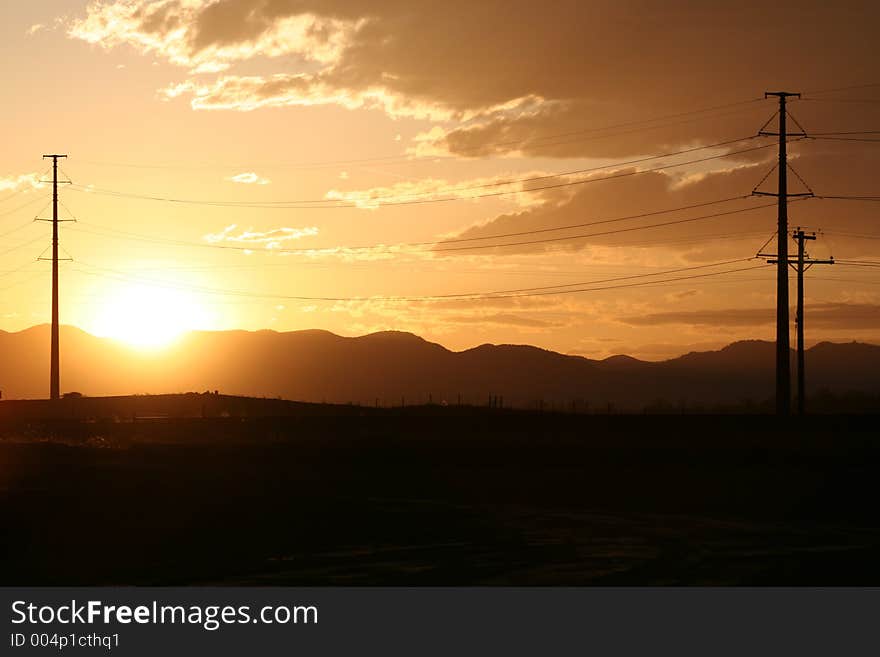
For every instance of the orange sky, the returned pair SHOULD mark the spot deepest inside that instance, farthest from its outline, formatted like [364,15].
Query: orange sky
[433,108]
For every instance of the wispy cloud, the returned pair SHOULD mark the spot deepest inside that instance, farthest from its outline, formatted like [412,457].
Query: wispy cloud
[208,36]
[428,188]
[270,239]
[504,319]
[822,315]
[27,180]
[249,178]
[245,93]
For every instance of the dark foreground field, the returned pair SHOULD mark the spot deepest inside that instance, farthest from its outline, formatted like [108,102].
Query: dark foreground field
[442,497]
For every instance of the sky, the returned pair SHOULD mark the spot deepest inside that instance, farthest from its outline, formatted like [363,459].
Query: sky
[573,175]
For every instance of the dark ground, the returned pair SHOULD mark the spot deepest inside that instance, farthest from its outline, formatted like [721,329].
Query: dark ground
[442,497]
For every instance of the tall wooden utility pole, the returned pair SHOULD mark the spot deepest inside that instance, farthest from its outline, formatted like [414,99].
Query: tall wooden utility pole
[801,264]
[54,368]
[783,344]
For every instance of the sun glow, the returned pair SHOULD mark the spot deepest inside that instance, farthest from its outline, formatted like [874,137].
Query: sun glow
[147,316]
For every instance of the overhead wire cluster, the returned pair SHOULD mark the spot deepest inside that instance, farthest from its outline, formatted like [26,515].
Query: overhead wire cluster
[482,242]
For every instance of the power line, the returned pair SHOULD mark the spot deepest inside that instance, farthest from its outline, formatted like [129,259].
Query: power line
[381,200]
[22,282]
[848,198]
[21,267]
[620,278]
[13,194]
[21,246]
[857,263]
[691,240]
[432,242]
[604,233]
[16,229]
[97,190]
[442,268]
[845,280]
[23,188]
[867,236]
[855,139]
[408,245]
[466,296]
[21,207]
[410,159]
[844,100]
[848,132]
[546,144]
[848,88]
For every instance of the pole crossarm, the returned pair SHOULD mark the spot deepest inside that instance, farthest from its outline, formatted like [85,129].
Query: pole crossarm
[794,261]
[764,133]
[756,193]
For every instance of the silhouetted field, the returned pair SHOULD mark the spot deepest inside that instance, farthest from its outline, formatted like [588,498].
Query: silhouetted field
[441,496]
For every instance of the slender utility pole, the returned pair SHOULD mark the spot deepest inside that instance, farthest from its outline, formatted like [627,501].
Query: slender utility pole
[783,344]
[801,264]
[54,371]
[799,318]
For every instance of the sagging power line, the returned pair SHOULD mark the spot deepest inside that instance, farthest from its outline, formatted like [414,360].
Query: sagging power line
[430,197]
[452,245]
[468,296]
[648,124]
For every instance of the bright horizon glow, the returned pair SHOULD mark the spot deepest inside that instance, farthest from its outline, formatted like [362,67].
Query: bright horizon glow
[147,317]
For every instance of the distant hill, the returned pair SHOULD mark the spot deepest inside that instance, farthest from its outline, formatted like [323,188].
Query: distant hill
[395,367]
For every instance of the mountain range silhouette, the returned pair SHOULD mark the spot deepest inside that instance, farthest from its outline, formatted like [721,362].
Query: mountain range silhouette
[391,368]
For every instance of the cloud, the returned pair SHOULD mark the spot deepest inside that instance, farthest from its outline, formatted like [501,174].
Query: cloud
[435,188]
[850,316]
[517,71]
[504,319]
[271,239]
[438,317]
[252,92]
[587,208]
[249,178]
[827,168]
[33,29]
[209,35]
[23,181]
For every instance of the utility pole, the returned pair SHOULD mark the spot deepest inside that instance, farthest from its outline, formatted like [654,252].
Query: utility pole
[54,368]
[801,264]
[783,344]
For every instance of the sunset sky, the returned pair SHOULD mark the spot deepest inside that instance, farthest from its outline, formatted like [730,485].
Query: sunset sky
[294,164]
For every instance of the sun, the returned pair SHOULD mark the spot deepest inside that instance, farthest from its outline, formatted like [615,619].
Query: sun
[147,316]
